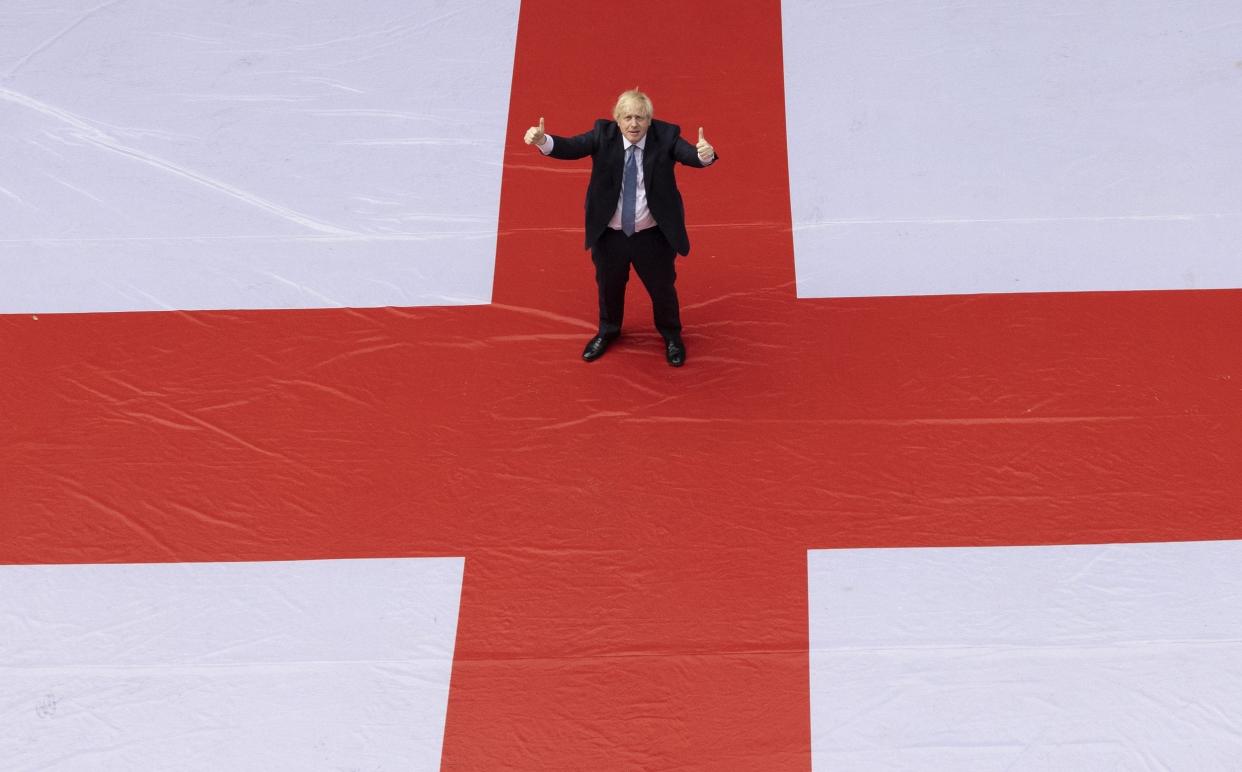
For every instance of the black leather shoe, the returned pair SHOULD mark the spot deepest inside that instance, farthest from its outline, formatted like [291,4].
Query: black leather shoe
[596,348]
[675,353]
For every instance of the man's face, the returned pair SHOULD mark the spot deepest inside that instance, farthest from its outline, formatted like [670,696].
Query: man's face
[633,121]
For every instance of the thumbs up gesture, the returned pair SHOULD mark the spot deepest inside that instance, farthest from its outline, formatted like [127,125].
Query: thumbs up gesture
[535,135]
[705,149]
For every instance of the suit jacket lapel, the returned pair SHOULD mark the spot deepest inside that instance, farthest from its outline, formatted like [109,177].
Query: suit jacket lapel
[649,154]
[617,156]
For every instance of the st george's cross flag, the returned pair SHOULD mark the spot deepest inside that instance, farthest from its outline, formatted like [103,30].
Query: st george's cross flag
[299,467]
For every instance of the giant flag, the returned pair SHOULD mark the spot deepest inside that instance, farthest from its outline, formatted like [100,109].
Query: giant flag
[299,466]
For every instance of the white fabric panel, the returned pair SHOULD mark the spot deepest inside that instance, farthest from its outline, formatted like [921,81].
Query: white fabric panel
[191,155]
[1027,658]
[335,664]
[1013,147]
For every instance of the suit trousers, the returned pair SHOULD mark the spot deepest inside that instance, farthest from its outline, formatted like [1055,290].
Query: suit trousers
[653,259]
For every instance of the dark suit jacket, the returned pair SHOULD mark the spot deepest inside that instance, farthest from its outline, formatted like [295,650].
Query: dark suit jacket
[664,148]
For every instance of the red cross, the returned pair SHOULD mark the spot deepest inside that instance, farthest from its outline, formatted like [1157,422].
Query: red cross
[635,536]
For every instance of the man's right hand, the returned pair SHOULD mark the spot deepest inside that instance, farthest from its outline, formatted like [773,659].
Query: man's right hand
[535,135]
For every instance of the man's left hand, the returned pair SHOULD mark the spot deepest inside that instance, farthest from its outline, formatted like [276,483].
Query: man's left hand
[704,148]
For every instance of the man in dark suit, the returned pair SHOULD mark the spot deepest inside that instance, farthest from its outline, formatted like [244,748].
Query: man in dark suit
[634,213]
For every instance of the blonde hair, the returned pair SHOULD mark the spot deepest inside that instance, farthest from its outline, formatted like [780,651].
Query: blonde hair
[633,97]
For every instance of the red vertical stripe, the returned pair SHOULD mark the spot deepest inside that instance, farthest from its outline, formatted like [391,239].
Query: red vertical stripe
[645,637]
